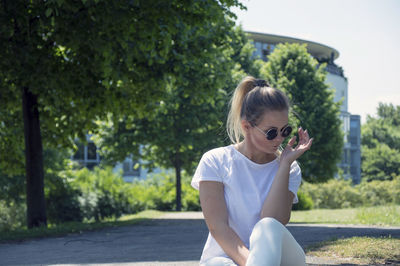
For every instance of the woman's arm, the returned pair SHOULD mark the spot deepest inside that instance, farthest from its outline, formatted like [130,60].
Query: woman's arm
[278,203]
[213,204]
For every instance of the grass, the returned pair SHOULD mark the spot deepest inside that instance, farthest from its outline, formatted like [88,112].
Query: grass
[382,216]
[360,250]
[76,227]
[356,250]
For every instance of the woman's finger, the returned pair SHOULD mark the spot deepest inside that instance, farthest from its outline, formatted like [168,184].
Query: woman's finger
[309,143]
[306,137]
[292,141]
[303,137]
[300,133]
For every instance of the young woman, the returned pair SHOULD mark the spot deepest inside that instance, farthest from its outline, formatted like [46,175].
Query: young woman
[247,189]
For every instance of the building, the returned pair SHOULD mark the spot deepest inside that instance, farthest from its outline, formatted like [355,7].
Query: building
[351,156]
[355,144]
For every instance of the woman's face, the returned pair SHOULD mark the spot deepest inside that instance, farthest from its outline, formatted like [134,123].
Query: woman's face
[256,135]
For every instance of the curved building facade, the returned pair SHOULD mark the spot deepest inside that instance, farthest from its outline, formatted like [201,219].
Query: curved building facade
[351,156]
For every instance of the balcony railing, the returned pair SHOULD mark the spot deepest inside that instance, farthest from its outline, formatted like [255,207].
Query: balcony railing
[334,69]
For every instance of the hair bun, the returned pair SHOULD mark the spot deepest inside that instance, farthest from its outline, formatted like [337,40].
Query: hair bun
[260,83]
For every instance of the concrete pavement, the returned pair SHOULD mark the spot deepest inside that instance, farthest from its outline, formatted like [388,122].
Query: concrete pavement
[174,239]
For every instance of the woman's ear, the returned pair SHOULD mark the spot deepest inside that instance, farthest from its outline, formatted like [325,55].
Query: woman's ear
[245,126]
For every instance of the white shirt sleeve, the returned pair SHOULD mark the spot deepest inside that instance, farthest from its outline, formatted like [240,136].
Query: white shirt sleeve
[207,170]
[294,180]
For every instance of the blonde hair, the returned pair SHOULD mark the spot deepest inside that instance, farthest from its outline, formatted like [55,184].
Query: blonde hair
[251,99]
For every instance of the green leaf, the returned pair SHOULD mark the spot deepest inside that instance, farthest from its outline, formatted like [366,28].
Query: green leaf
[48,12]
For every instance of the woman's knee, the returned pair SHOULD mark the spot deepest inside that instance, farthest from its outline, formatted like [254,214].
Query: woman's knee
[266,230]
[268,222]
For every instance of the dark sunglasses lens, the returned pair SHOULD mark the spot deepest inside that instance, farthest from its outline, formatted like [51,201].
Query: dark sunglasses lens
[286,132]
[272,133]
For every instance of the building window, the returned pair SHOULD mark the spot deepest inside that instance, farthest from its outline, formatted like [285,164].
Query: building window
[353,170]
[353,140]
[345,157]
[86,155]
[257,52]
[265,53]
[353,124]
[131,168]
[91,151]
[126,167]
[80,153]
[136,168]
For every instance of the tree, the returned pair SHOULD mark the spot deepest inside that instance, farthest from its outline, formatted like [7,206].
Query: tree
[245,64]
[65,64]
[380,139]
[190,118]
[291,69]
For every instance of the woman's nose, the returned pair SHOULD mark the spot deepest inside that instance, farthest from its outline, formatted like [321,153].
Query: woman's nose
[279,139]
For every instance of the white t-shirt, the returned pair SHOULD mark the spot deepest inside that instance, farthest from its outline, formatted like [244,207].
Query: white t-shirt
[246,185]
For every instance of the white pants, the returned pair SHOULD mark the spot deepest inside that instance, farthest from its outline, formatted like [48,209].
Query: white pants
[271,244]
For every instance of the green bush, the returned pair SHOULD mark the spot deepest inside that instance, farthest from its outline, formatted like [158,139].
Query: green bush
[334,194]
[81,194]
[76,195]
[190,197]
[62,204]
[158,192]
[377,192]
[12,215]
[338,193]
[396,190]
[155,193]
[103,193]
[305,202]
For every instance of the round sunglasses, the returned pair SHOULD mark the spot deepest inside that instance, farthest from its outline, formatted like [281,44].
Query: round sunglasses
[272,133]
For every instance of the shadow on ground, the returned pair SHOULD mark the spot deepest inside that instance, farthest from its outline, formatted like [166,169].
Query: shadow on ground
[162,240]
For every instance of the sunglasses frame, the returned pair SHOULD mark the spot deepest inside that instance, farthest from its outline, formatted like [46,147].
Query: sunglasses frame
[276,129]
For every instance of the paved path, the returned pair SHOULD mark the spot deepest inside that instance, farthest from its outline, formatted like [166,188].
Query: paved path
[174,239]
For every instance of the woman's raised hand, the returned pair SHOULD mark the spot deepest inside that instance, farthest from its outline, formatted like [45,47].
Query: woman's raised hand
[290,153]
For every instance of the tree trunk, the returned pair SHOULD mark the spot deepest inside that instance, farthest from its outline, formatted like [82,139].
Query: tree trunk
[35,201]
[178,187]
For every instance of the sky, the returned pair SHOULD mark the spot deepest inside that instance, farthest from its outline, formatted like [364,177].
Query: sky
[365,32]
